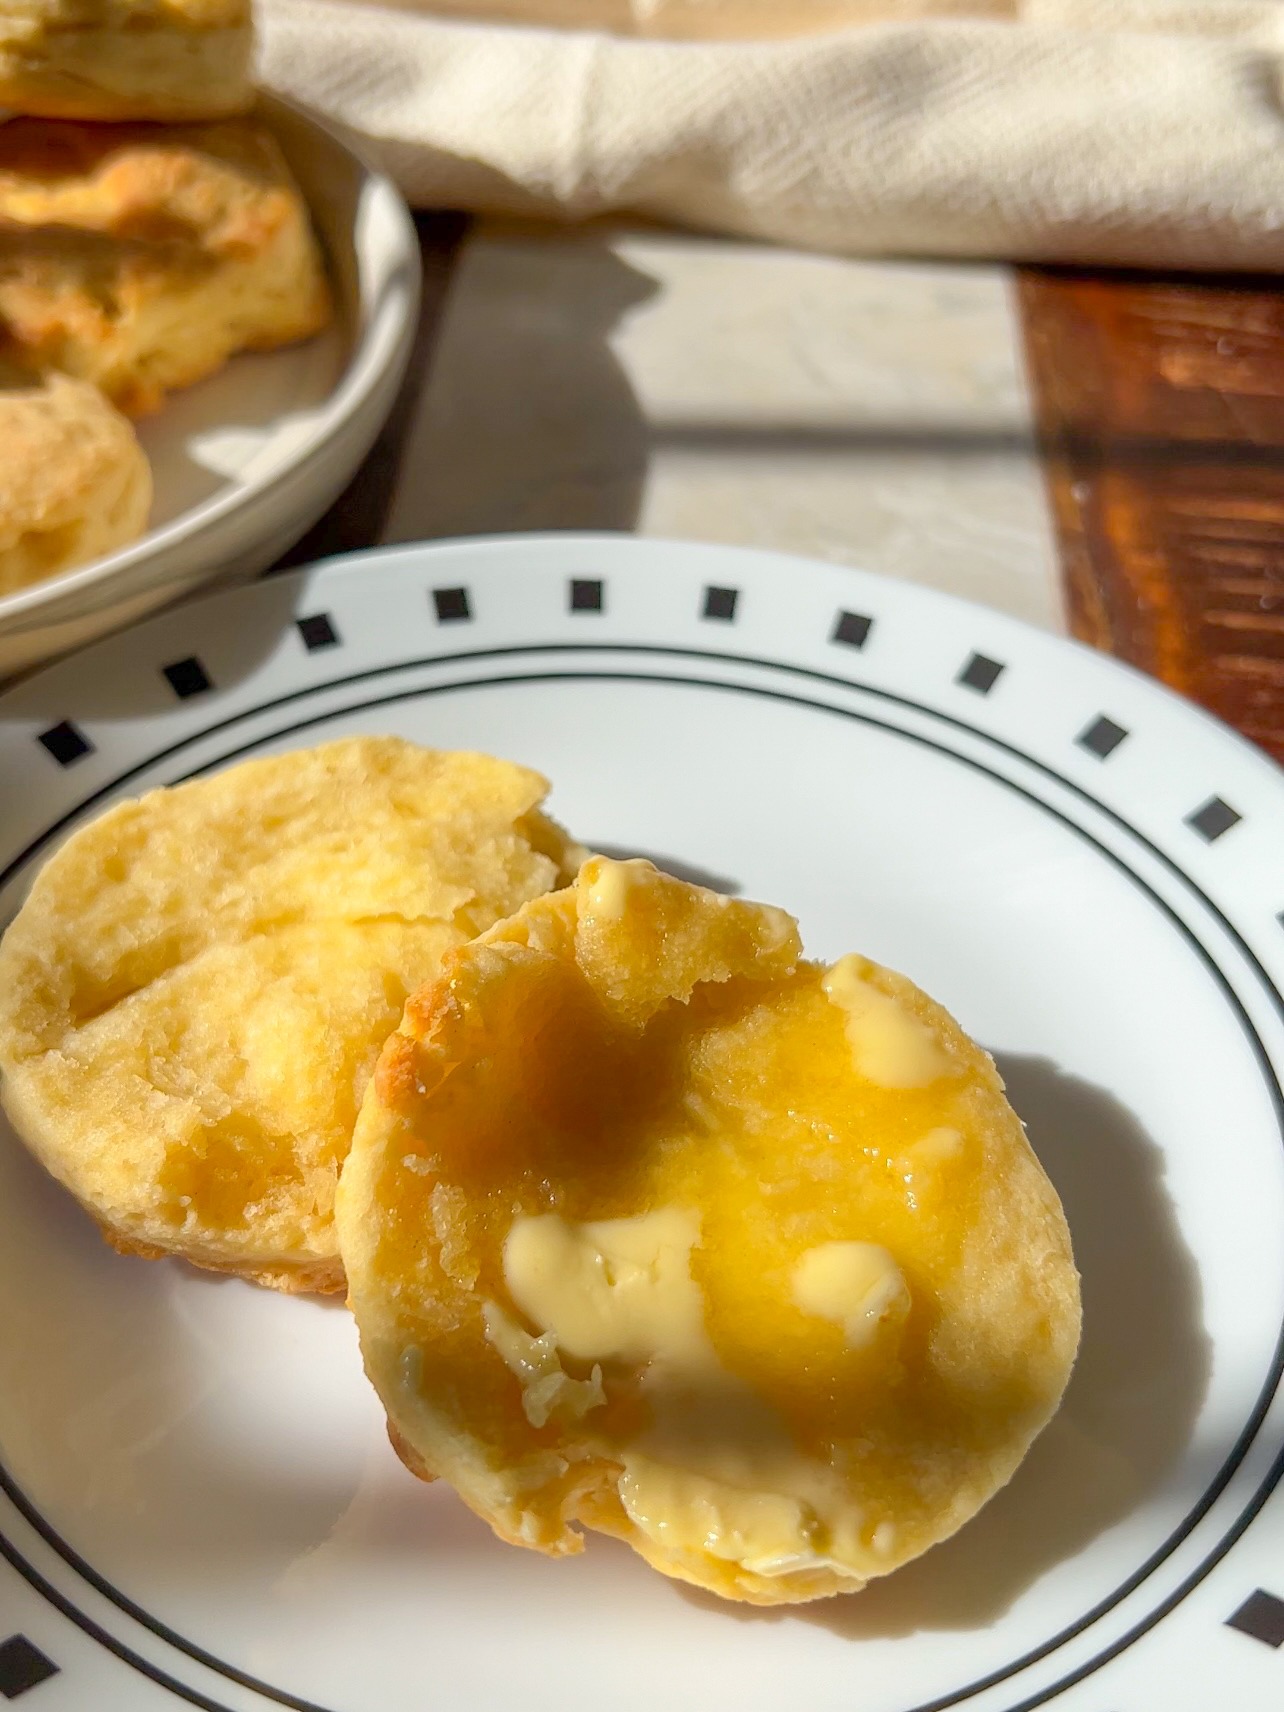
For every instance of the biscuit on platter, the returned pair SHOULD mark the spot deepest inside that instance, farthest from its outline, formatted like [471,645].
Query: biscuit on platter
[142,257]
[652,1226]
[196,990]
[126,59]
[74,482]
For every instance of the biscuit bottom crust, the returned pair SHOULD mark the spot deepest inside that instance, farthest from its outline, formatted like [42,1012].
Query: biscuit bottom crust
[612,1175]
[318,1278]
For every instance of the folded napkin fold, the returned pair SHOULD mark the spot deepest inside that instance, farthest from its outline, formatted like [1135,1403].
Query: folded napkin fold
[1146,132]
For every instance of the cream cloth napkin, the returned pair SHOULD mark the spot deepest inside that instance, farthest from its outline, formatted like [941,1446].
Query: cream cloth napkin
[1145,132]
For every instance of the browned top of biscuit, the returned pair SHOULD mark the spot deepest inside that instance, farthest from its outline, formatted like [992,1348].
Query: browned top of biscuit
[126,59]
[142,256]
[52,16]
[221,187]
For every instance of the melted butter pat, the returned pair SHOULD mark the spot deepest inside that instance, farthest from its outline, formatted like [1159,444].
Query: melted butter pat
[937,1147]
[716,1471]
[606,896]
[855,1285]
[608,888]
[891,1046]
[618,1289]
[547,1389]
[764,1532]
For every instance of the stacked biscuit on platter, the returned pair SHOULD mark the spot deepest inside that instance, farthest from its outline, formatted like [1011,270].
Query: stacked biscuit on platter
[149,230]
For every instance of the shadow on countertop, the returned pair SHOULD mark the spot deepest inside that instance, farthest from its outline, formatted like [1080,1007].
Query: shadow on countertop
[530,421]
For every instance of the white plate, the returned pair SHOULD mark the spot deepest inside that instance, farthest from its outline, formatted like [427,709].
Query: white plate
[246,461]
[200,1498]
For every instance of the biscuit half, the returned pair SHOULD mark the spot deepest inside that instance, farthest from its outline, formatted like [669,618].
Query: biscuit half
[652,1226]
[126,59]
[142,257]
[74,482]
[194,994]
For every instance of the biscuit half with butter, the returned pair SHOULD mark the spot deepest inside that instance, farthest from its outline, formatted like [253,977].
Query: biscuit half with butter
[196,990]
[143,257]
[652,1226]
[126,59]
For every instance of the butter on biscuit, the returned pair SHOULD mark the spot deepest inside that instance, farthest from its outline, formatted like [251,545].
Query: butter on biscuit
[652,1226]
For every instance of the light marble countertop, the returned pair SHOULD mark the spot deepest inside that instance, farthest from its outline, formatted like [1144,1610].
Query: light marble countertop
[871,413]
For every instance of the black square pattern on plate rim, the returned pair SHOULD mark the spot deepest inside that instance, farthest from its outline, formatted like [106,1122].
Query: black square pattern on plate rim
[317,631]
[452,605]
[22,1666]
[1102,737]
[720,603]
[587,594]
[1261,1616]
[66,742]
[187,677]
[852,629]
[980,673]
[1213,819]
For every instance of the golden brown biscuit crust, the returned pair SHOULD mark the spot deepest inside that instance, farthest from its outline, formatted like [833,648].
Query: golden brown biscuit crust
[126,59]
[321,1278]
[142,257]
[74,482]
[200,981]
